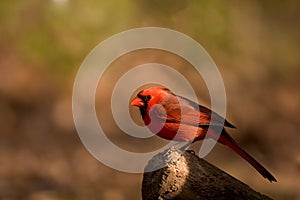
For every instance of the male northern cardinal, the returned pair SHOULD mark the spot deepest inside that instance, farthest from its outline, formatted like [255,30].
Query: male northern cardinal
[164,112]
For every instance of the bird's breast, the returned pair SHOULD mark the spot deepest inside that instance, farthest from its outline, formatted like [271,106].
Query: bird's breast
[175,131]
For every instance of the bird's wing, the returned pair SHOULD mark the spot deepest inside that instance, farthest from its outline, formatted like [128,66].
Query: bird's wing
[206,113]
[183,110]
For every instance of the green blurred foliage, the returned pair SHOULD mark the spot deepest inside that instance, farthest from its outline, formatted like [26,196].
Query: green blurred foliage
[58,34]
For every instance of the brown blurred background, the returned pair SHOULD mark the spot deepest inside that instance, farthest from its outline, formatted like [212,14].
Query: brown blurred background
[255,44]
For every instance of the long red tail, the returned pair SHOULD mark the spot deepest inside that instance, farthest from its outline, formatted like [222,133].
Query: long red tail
[227,140]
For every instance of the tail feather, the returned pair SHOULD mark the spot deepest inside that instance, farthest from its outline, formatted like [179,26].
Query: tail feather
[227,140]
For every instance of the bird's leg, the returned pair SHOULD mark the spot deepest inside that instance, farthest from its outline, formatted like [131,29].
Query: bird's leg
[182,148]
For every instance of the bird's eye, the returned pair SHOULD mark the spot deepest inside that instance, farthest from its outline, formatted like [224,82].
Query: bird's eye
[148,97]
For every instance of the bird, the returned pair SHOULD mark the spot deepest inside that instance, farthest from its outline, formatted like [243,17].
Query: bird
[174,117]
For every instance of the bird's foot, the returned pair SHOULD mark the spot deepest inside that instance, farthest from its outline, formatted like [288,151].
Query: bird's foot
[181,148]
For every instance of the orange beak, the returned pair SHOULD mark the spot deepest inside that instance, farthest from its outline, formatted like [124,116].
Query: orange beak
[137,102]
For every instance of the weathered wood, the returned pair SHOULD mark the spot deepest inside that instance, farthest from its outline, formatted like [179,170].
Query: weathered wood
[188,177]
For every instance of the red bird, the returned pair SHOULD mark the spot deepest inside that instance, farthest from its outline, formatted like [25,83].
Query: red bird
[173,117]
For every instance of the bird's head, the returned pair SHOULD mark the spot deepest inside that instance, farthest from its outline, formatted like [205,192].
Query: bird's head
[148,97]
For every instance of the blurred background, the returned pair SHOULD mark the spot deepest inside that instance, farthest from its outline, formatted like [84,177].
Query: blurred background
[254,43]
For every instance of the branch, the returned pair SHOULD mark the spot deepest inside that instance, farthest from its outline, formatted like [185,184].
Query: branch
[188,177]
